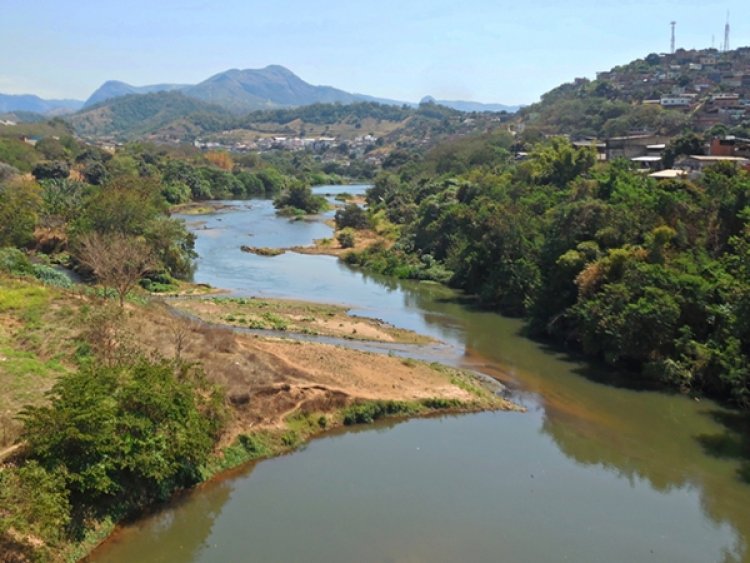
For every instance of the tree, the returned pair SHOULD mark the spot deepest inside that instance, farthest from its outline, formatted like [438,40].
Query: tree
[346,238]
[129,435]
[352,215]
[52,149]
[51,170]
[221,159]
[20,202]
[690,143]
[95,173]
[557,162]
[118,261]
[125,205]
[300,197]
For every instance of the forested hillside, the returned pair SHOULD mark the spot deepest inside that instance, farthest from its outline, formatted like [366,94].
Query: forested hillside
[651,277]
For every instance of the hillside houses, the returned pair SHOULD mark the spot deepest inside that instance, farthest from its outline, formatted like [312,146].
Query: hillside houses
[647,152]
[713,87]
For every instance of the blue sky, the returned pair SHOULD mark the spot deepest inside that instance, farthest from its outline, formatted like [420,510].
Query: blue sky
[490,51]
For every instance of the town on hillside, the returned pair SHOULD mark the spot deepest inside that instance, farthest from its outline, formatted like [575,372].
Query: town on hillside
[710,88]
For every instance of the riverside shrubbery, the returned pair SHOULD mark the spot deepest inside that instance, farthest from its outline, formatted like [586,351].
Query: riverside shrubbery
[125,436]
[652,277]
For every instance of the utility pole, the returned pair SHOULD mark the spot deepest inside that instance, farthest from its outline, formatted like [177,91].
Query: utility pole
[671,45]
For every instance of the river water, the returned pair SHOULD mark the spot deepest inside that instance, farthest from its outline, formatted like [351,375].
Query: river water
[595,471]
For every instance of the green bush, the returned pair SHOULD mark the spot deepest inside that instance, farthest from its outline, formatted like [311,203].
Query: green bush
[125,436]
[352,215]
[15,262]
[367,413]
[50,276]
[346,238]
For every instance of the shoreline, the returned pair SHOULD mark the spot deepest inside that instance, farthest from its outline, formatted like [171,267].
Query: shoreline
[240,466]
[311,396]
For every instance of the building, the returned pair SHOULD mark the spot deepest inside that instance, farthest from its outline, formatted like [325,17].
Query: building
[682,101]
[695,164]
[632,146]
[669,174]
[601,148]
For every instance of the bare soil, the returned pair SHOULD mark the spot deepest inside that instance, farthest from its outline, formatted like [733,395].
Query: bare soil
[267,379]
[296,317]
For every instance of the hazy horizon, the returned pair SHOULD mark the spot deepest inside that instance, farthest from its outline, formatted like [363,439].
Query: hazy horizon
[491,52]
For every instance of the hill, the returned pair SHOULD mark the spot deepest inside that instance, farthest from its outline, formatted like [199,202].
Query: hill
[273,86]
[30,103]
[174,117]
[115,88]
[461,105]
[141,114]
[665,94]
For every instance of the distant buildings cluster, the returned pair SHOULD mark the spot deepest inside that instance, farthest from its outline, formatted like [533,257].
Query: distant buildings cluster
[647,152]
[713,86]
[315,144]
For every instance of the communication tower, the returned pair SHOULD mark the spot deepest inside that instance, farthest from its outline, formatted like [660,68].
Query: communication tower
[671,45]
[726,34]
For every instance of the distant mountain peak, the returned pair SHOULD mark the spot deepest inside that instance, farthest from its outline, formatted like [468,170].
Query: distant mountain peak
[273,86]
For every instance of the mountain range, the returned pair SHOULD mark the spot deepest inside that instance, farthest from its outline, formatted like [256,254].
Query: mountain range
[238,91]
[31,103]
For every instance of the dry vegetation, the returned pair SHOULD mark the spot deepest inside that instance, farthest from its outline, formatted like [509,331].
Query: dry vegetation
[363,239]
[266,380]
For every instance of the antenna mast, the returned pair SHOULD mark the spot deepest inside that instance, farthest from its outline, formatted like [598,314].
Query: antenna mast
[671,45]
[726,35]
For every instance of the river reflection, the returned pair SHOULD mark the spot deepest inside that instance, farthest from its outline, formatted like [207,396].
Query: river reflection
[593,472]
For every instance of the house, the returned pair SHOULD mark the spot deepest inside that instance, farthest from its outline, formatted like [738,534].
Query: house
[669,174]
[682,101]
[696,164]
[632,146]
[730,146]
[601,148]
[647,163]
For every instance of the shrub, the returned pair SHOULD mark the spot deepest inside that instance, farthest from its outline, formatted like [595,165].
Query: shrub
[51,170]
[346,238]
[367,413]
[125,436]
[300,197]
[15,262]
[352,215]
[51,276]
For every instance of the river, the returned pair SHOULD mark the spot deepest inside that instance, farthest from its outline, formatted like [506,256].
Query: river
[595,470]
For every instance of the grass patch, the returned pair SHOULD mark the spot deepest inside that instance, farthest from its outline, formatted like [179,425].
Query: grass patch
[295,316]
[29,298]
[263,251]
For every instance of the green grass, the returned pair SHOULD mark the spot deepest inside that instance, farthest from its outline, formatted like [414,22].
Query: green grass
[28,298]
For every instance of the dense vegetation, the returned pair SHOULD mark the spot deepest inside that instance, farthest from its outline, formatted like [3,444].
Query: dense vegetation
[651,277]
[107,216]
[126,435]
[588,108]
[299,200]
[141,114]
